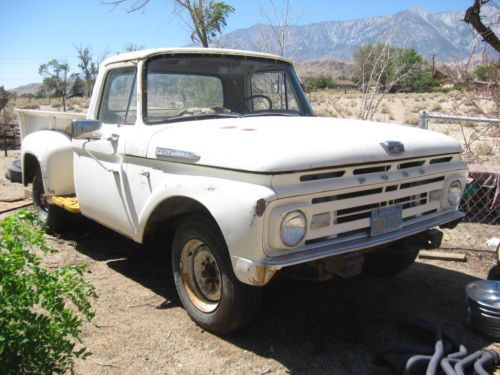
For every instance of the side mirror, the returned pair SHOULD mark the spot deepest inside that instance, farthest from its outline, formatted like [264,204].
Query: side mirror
[86,129]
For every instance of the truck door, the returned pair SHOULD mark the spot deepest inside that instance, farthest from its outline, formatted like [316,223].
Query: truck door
[99,167]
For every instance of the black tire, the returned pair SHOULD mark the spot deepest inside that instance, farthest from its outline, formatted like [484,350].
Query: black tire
[391,260]
[234,304]
[15,172]
[51,216]
[494,273]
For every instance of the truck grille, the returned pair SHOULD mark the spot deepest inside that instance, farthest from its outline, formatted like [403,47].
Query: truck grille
[344,214]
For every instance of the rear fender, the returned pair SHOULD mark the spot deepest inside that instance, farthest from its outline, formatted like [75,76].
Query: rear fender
[54,154]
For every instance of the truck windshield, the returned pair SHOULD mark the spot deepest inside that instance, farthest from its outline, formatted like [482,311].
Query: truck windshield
[206,86]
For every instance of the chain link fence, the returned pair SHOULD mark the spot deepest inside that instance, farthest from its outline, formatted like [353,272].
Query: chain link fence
[480,138]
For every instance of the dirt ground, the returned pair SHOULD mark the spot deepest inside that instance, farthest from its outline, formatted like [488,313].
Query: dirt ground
[336,327]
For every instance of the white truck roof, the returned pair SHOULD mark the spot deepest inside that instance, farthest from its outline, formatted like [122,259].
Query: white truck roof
[138,55]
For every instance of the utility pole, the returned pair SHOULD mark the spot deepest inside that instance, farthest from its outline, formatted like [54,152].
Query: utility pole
[433,56]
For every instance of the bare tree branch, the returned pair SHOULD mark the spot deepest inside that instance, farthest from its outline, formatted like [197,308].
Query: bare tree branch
[473,17]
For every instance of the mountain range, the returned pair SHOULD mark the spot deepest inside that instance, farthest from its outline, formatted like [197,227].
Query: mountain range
[444,34]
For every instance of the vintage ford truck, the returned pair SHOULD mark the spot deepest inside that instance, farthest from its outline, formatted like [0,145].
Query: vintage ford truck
[222,148]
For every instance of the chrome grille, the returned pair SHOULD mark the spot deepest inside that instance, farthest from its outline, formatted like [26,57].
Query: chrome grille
[348,214]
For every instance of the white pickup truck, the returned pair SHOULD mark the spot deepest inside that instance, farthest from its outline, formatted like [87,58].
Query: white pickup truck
[221,147]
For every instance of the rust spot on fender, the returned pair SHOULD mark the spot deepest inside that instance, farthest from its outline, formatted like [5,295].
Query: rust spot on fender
[228,127]
[248,129]
[260,207]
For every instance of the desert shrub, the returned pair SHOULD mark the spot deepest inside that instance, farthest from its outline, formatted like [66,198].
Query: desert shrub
[483,149]
[411,119]
[41,311]
[488,72]
[436,107]
[385,109]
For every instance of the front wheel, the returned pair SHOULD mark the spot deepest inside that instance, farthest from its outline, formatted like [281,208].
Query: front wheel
[208,289]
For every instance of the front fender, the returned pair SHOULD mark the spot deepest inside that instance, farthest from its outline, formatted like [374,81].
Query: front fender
[54,153]
[236,206]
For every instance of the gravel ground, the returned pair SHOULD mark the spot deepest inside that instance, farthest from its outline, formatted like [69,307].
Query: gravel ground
[336,327]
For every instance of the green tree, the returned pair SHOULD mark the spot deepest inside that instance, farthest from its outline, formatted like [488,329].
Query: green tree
[207,18]
[56,79]
[88,67]
[41,311]
[423,82]
[77,84]
[387,66]
[380,69]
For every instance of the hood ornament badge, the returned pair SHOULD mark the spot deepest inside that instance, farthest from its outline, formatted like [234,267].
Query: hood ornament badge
[393,147]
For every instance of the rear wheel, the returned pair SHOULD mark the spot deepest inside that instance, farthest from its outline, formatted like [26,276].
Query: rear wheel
[391,260]
[208,289]
[50,215]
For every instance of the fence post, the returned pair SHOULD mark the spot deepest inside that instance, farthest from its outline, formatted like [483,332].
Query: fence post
[5,142]
[422,119]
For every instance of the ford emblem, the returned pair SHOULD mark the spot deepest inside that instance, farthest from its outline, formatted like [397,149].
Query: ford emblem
[393,147]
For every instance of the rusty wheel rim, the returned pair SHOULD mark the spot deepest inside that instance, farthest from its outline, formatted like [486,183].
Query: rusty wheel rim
[201,276]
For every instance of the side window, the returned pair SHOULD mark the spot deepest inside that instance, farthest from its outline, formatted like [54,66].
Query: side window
[118,102]
[277,87]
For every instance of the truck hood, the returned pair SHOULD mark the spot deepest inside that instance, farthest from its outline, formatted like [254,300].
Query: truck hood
[275,144]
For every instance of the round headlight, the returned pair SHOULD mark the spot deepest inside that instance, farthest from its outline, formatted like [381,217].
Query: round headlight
[293,228]
[454,193]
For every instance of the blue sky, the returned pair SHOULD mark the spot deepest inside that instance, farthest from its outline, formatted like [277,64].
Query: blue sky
[34,31]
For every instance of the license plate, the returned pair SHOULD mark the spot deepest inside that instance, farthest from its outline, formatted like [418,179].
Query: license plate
[386,219]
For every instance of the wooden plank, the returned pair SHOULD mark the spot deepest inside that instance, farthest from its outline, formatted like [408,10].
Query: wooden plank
[441,255]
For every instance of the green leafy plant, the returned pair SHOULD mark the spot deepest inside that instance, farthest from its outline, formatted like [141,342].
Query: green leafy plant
[41,311]
[319,82]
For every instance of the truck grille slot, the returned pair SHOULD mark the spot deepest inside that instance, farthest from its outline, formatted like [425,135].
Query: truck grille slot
[321,176]
[440,160]
[411,164]
[346,196]
[421,182]
[377,169]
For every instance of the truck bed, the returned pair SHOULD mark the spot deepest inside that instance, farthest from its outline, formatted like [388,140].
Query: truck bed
[33,120]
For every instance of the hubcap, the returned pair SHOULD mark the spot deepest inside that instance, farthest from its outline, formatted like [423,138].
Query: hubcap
[201,275]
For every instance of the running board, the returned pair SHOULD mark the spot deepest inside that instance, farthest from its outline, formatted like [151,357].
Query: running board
[67,203]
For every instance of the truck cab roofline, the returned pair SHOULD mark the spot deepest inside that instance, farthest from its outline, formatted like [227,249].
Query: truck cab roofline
[139,55]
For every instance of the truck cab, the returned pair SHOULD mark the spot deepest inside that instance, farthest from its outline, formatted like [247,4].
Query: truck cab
[223,148]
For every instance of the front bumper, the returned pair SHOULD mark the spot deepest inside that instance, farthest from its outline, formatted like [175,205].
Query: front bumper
[260,273]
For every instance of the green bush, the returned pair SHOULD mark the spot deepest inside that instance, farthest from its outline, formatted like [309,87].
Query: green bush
[319,82]
[488,72]
[41,311]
